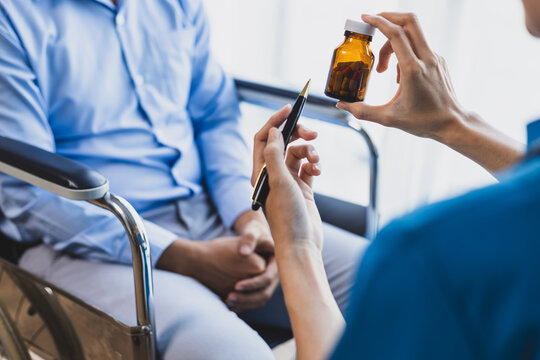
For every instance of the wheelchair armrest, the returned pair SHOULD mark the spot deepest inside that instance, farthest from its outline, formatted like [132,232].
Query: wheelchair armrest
[273,97]
[50,171]
[76,181]
[343,214]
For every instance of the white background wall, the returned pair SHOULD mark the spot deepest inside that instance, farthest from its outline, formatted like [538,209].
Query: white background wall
[494,63]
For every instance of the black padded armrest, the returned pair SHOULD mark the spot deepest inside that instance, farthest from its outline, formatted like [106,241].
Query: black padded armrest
[50,172]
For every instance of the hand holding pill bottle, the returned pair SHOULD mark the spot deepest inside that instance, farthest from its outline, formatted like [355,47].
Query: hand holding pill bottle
[351,63]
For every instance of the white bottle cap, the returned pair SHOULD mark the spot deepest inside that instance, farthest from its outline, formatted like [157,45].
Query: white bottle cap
[359,27]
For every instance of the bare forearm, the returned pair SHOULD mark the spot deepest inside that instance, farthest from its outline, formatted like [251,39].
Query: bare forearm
[315,316]
[480,142]
[180,257]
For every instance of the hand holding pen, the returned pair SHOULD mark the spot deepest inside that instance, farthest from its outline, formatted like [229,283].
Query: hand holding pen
[290,207]
[291,131]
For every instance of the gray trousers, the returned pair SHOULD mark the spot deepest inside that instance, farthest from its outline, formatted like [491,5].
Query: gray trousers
[191,321]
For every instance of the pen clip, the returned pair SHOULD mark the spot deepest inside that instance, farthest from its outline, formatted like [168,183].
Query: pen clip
[258,189]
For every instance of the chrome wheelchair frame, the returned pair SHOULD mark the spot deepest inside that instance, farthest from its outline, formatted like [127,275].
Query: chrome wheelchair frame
[70,322]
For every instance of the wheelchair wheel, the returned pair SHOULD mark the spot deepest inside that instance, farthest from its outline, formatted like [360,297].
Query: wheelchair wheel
[11,345]
[33,324]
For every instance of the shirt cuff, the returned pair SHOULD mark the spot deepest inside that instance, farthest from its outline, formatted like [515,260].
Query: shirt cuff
[159,239]
[233,201]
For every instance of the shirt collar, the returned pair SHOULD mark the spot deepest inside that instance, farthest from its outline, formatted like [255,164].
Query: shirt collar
[533,134]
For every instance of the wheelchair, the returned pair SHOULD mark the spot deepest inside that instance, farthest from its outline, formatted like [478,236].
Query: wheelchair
[41,321]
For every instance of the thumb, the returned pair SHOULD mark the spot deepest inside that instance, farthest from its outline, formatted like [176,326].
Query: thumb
[362,111]
[247,244]
[274,154]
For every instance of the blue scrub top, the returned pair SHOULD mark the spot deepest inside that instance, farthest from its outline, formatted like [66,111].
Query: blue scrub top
[456,280]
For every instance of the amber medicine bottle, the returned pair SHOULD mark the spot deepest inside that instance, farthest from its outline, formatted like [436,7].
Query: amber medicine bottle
[351,63]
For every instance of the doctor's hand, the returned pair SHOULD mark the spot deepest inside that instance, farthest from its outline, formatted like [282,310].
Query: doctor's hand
[425,103]
[260,139]
[290,207]
[255,291]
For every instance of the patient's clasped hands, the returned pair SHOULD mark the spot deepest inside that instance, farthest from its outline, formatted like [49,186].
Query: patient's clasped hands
[239,269]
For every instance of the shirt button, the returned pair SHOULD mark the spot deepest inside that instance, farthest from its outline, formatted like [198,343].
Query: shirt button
[120,19]
[138,80]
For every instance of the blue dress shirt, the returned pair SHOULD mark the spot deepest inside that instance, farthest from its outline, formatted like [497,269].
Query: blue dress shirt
[455,280]
[133,92]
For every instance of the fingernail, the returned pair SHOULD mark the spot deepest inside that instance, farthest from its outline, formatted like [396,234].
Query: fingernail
[231,300]
[239,287]
[305,127]
[313,152]
[339,105]
[245,249]
[317,167]
[366,16]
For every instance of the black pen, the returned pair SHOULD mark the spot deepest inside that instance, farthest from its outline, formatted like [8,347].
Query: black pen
[262,188]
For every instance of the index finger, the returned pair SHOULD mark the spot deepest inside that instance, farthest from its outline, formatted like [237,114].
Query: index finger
[413,30]
[301,132]
[275,121]
[259,140]
[273,155]
[396,35]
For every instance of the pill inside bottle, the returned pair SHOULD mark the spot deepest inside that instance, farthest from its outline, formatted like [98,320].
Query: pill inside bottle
[351,63]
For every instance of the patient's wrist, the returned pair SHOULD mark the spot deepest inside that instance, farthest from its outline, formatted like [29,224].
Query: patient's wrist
[247,217]
[181,257]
